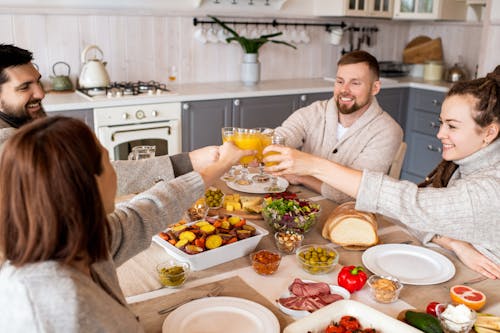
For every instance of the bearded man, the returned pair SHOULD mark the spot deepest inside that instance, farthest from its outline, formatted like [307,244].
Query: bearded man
[350,128]
[21,95]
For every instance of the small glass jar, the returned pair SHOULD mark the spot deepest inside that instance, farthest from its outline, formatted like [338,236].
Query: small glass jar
[288,242]
[384,289]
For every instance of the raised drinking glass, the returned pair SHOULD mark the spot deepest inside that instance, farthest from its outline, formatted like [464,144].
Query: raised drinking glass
[247,139]
[265,134]
[227,134]
[274,187]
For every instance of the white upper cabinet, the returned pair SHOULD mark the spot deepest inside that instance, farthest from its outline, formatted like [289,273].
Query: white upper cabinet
[430,9]
[365,8]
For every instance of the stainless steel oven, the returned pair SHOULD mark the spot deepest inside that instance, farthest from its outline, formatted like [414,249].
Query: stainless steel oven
[123,127]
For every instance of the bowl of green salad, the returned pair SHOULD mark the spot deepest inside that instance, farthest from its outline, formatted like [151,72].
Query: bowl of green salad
[285,211]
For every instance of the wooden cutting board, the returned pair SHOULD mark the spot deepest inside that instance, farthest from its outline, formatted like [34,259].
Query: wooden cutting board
[241,213]
[418,54]
[417,41]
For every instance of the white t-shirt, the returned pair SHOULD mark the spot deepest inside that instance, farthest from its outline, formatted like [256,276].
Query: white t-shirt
[341,131]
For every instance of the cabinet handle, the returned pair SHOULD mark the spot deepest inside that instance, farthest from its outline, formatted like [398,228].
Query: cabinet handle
[303,98]
[185,106]
[436,102]
[434,124]
[236,102]
[432,148]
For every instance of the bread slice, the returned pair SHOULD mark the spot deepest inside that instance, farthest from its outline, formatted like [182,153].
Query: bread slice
[349,227]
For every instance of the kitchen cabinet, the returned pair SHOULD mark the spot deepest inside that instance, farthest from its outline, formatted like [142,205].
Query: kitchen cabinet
[86,115]
[202,120]
[364,8]
[430,9]
[394,102]
[424,149]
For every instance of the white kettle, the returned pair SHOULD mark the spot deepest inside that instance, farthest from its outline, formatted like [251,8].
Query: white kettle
[93,74]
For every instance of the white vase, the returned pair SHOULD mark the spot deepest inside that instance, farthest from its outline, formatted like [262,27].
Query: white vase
[250,69]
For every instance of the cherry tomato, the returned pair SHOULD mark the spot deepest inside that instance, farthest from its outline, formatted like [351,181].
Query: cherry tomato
[334,328]
[431,308]
[350,323]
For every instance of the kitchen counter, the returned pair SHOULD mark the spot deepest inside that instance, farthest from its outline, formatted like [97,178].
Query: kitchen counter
[64,101]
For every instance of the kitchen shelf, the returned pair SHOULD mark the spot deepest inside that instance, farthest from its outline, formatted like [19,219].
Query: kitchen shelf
[274,4]
[274,23]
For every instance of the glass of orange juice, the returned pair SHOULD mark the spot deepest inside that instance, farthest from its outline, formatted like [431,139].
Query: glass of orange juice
[274,187]
[227,134]
[265,136]
[247,139]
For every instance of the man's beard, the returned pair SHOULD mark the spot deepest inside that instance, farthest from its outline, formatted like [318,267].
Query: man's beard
[344,109]
[21,115]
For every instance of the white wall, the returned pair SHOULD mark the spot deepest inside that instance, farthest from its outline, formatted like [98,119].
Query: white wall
[142,47]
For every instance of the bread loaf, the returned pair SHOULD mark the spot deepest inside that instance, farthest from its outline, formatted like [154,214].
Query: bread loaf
[349,227]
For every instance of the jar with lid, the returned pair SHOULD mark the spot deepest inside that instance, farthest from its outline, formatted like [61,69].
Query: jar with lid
[433,70]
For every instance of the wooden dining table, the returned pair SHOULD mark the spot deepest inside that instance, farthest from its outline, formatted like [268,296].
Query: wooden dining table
[146,296]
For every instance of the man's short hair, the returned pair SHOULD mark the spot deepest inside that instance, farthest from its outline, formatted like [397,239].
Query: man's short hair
[356,57]
[11,55]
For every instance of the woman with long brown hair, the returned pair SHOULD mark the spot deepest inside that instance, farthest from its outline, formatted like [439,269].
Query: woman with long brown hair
[458,205]
[61,237]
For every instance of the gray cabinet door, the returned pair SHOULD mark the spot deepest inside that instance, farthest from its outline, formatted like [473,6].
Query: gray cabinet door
[86,115]
[394,101]
[424,149]
[268,111]
[303,100]
[202,122]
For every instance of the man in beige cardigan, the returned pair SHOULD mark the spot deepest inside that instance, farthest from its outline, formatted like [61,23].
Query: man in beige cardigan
[21,95]
[350,128]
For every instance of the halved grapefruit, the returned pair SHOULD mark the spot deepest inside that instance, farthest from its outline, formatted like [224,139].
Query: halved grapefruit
[471,297]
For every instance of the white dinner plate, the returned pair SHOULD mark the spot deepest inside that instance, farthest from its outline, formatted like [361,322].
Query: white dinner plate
[409,263]
[300,314]
[221,314]
[258,188]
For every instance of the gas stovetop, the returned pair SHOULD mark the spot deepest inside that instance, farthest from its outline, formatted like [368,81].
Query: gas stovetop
[126,89]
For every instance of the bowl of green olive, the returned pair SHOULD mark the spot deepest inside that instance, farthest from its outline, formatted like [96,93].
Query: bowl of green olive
[173,274]
[317,259]
[214,197]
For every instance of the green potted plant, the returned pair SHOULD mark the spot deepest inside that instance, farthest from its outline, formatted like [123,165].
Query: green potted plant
[250,68]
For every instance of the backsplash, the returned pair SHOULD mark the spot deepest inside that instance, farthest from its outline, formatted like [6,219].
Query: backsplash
[143,47]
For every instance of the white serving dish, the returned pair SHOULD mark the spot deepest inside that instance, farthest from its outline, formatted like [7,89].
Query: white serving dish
[368,318]
[216,256]
[300,314]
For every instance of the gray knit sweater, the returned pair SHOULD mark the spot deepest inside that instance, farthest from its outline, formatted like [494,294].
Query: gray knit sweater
[135,176]
[50,297]
[467,209]
[370,143]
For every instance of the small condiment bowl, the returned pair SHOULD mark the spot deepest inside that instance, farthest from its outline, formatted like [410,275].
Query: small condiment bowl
[288,242]
[198,211]
[317,259]
[265,262]
[384,289]
[173,273]
[450,324]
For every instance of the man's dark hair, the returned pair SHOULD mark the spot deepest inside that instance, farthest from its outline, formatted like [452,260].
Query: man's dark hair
[11,55]
[356,57]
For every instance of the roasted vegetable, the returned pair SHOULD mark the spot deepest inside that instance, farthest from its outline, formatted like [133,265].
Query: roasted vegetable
[213,242]
[423,321]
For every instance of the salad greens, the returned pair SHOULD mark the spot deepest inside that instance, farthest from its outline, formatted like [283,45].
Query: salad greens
[290,214]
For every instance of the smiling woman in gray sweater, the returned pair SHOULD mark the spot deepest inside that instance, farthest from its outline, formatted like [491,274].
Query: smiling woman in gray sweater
[457,207]
[61,236]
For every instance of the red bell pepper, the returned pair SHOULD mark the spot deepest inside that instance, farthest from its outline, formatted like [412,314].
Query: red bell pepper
[352,278]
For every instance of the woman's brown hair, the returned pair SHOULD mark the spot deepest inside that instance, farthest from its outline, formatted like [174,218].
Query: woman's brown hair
[486,91]
[50,203]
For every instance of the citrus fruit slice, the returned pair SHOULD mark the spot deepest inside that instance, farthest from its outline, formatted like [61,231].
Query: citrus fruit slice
[473,298]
